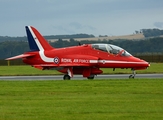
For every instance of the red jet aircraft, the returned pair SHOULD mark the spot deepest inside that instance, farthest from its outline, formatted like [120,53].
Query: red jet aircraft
[84,59]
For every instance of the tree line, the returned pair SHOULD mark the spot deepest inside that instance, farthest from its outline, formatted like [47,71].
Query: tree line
[150,32]
[8,38]
[148,46]
[146,32]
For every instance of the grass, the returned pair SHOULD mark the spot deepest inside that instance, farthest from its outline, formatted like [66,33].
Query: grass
[28,70]
[82,100]
[24,70]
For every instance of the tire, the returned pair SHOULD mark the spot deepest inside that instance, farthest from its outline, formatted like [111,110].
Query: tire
[131,77]
[91,77]
[66,77]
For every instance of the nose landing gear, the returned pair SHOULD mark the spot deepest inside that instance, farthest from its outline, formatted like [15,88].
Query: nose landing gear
[133,74]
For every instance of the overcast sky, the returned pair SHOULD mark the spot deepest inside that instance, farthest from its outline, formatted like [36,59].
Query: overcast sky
[97,17]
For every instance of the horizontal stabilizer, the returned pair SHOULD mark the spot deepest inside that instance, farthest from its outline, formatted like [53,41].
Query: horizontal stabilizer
[20,56]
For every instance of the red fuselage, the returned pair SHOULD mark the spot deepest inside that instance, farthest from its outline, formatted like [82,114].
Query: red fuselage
[85,59]
[82,55]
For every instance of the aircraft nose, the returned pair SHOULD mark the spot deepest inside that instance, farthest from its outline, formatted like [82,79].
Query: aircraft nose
[141,64]
[147,64]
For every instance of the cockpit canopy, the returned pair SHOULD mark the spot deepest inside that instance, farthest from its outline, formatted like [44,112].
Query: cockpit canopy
[113,49]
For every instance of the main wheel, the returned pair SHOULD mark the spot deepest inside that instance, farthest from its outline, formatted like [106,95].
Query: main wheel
[66,77]
[91,77]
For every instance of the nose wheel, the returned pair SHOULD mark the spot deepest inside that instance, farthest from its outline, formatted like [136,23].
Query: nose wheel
[133,74]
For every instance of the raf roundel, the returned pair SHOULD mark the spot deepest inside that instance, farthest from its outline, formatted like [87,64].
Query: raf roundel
[56,60]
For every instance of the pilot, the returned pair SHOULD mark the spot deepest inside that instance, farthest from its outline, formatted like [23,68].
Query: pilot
[96,47]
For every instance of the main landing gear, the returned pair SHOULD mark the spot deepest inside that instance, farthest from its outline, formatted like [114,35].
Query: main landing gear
[133,74]
[91,77]
[69,74]
[66,77]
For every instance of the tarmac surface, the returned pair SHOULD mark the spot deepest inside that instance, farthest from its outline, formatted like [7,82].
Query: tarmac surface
[80,77]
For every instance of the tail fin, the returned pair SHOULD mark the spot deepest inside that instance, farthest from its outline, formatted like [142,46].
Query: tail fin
[36,41]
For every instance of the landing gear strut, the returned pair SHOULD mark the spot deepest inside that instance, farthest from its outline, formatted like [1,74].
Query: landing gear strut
[66,77]
[69,74]
[133,74]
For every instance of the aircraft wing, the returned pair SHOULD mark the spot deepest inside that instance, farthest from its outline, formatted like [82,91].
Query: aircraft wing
[48,66]
[74,65]
[20,56]
[44,66]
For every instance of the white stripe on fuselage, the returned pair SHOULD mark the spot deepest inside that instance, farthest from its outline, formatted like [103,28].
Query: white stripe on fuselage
[41,52]
[121,62]
[115,62]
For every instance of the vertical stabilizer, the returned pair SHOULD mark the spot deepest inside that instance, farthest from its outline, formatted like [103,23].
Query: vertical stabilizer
[36,41]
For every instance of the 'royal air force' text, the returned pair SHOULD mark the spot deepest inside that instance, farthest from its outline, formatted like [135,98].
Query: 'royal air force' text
[65,60]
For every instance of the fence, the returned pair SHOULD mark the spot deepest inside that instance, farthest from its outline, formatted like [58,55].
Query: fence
[12,62]
[151,57]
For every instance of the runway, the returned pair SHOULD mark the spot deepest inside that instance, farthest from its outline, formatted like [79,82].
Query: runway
[80,77]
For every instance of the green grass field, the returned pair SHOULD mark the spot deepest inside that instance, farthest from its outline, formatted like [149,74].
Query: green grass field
[83,99]
[136,99]
[28,70]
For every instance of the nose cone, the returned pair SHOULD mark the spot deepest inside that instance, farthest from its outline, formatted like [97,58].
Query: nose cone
[147,64]
[140,64]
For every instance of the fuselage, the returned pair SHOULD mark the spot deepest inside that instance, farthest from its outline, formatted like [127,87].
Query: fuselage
[84,54]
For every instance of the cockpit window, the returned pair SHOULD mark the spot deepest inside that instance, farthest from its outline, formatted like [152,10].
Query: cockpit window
[125,53]
[101,47]
[111,49]
[115,49]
